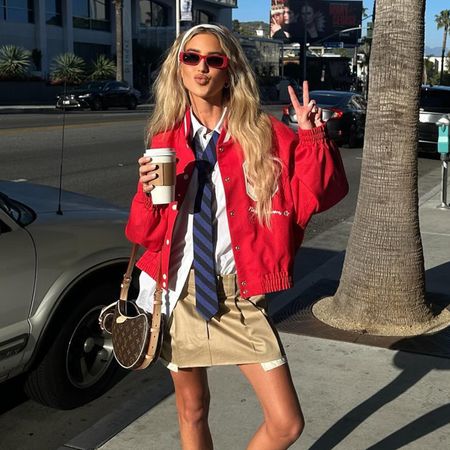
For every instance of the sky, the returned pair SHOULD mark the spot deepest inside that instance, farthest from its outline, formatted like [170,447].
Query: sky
[247,11]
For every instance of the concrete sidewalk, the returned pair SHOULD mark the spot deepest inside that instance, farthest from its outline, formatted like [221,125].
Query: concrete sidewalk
[354,396]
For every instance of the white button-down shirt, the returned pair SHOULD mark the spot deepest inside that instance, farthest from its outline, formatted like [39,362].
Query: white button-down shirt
[182,251]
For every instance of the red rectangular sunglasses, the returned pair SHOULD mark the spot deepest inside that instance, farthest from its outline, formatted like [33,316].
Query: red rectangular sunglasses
[215,61]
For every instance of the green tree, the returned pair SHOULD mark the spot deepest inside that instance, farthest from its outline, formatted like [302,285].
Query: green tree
[14,62]
[382,286]
[236,26]
[249,28]
[68,68]
[103,68]
[432,75]
[443,21]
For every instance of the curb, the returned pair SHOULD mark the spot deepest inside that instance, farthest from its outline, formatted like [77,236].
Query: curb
[27,109]
[40,109]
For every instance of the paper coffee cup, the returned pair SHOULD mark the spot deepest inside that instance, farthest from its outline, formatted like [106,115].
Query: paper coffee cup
[164,190]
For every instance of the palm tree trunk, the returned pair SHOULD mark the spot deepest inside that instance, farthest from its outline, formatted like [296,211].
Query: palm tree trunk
[366,88]
[444,44]
[119,39]
[382,287]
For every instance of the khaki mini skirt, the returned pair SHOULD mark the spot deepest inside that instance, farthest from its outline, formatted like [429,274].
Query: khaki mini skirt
[240,333]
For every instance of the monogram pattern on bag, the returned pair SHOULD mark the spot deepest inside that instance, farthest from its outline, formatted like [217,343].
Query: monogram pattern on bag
[130,340]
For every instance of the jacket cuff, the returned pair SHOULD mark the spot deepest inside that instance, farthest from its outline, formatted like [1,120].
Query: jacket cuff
[142,197]
[313,135]
[150,263]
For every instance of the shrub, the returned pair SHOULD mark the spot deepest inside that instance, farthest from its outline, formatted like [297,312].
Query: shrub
[14,62]
[68,68]
[103,68]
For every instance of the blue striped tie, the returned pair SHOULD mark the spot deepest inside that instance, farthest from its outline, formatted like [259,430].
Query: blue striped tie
[207,302]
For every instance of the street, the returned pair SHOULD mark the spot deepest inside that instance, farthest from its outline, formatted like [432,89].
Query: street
[99,159]
[101,150]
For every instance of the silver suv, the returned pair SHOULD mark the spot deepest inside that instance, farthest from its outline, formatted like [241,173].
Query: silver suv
[58,268]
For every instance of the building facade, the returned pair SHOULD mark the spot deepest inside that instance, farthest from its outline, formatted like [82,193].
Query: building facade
[87,27]
[263,55]
[437,62]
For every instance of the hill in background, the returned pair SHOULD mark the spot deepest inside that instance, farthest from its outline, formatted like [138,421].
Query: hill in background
[433,51]
[249,28]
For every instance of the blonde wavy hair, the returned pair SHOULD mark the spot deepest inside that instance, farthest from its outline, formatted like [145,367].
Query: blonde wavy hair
[246,122]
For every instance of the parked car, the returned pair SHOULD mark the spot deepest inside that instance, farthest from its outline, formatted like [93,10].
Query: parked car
[57,270]
[434,103]
[98,95]
[344,113]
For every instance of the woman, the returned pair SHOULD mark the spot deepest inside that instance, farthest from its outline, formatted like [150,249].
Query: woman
[314,21]
[245,214]
[283,21]
[277,22]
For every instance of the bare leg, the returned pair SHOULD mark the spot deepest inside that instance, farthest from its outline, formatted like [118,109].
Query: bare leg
[192,398]
[283,418]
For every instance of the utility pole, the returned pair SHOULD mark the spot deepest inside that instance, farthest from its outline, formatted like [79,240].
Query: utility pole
[177,18]
[119,39]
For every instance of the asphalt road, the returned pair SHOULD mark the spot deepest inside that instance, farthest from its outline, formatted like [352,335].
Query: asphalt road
[100,153]
[99,159]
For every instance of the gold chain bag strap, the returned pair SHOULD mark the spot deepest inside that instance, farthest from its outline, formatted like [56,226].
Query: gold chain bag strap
[136,334]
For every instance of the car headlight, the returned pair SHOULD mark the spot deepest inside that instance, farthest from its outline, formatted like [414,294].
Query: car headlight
[84,95]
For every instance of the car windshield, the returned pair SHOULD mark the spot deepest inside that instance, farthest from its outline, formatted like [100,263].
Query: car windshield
[328,99]
[93,86]
[16,210]
[435,99]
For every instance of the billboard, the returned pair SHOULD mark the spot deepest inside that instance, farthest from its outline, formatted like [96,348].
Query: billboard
[316,22]
[186,10]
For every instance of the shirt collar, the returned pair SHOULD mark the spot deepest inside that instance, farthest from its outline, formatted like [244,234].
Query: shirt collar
[197,126]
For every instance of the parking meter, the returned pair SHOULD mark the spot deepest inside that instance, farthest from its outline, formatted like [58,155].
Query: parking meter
[443,148]
[443,125]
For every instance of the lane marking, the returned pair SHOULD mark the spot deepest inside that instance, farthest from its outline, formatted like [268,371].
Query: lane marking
[13,131]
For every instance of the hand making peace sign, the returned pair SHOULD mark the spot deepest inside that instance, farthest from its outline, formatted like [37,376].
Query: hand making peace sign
[308,114]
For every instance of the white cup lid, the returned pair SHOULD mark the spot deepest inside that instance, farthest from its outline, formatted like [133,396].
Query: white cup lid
[159,152]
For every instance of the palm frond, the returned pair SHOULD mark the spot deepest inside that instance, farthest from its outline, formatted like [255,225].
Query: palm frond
[68,68]
[14,62]
[103,68]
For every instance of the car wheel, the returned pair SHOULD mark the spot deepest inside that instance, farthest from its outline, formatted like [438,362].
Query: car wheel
[79,364]
[96,105]
[132,103]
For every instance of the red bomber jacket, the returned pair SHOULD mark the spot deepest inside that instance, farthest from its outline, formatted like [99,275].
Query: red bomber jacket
[312,180]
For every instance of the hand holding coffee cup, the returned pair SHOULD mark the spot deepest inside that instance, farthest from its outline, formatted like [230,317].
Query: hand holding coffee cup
[157,174]
[146,173]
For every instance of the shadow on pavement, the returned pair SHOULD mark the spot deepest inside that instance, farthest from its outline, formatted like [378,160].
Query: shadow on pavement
[309,259]
[297,317]
[413,370]
[12,394]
